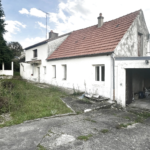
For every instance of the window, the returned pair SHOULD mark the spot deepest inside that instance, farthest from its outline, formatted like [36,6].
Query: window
[140,45]
[54,71]
[102,73]
[44,69]
[64,72]
[35,53]
[99,73]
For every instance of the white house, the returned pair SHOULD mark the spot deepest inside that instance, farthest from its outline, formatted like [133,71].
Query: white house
[104,59]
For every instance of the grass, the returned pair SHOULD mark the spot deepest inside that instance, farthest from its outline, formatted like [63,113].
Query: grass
[84,137]
[104,130]
[27,102]
[127,117]
[40,147]
[16,73]
[88,119]
[123,125]
[141,116]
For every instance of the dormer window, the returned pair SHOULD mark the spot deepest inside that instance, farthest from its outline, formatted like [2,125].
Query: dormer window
[35,53]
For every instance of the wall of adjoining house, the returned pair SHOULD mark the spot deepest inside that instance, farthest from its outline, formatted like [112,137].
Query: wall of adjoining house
[53,45]
[120,77]
[44,50]
[128,46]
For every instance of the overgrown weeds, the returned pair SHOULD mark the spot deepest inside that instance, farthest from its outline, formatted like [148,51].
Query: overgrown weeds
[40,147]
[104,130]
[84,137]
[122,125]
[25,101]
[88,119]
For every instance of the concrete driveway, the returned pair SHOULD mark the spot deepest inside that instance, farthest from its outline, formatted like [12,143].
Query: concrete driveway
[64,133]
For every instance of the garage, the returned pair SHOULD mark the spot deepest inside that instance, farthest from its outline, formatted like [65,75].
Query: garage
[137,85]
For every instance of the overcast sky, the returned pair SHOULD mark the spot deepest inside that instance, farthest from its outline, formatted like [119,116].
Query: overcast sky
[26,24]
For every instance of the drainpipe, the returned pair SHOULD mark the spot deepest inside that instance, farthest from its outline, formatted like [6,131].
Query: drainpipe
[113,59]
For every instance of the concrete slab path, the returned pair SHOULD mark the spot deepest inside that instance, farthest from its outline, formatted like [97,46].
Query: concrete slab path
[141,103]
[62,133]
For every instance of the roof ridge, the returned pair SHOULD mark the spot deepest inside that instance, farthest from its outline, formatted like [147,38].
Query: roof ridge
[47,40]
[107,21]
[123,16]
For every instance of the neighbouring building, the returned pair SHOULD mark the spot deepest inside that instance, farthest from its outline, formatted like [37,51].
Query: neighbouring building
[5,73]
[110,58]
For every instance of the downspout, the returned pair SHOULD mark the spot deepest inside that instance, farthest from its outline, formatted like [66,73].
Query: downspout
[113,59]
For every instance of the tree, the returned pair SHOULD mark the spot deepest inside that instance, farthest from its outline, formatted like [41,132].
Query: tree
[16,48]
[5,53]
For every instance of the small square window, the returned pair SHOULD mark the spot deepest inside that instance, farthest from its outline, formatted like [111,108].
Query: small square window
[35,53]
[64,72]
[102,73]
[99,73]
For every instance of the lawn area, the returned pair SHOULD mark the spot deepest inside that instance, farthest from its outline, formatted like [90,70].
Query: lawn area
[25,101]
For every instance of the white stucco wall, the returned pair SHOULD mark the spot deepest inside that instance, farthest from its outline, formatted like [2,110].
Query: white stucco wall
[43,52]
[7,72]
[128,46]
[80,74]
[120,77]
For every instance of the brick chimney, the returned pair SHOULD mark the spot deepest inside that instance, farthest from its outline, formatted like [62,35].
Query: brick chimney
[52,34]
[100,20]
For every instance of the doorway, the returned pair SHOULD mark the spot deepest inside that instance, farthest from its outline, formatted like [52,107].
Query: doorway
[137,80]
[129,94]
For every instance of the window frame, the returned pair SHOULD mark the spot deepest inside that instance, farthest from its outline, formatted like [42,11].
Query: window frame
[99,72]
[64,72]
[54,71]
[35,53]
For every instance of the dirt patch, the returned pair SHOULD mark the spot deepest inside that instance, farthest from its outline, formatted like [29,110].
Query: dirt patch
[5,117]
[8,85]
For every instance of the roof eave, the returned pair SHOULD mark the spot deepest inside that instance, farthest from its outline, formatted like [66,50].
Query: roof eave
[79,56]
[36,45]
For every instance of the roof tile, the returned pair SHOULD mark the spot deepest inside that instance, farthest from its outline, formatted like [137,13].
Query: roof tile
[94,40]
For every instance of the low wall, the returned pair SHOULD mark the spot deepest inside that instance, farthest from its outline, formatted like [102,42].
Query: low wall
[4,72]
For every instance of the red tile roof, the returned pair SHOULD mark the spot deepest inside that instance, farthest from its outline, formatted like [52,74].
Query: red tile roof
[94,40]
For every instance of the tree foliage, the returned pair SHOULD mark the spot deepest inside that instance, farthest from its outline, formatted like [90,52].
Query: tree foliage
[16,48]
[5,53]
